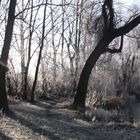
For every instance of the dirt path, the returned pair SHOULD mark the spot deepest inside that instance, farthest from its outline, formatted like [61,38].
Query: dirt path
[50,120]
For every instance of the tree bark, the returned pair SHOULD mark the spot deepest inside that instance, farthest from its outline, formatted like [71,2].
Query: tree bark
[3,95]
[5,54]
[84,77]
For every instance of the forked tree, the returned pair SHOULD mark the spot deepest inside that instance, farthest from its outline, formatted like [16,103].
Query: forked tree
[110,32]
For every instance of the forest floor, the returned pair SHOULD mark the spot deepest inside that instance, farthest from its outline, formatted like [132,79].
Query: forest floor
[53,120]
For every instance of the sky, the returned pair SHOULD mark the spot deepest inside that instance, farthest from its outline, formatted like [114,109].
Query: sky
[126,2]
[130,2]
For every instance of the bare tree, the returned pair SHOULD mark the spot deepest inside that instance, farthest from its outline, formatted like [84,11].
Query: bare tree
[53,44]
[109,33]
[40,54]
[22,51]
[62,34]
[4,56]
[32,28]
[24,96]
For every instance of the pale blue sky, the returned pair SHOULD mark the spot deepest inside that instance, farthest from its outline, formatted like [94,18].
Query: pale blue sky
[131,2]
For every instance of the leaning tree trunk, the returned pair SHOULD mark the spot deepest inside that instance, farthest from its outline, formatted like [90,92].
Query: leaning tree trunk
[5,54]
[109,33]
[84,78]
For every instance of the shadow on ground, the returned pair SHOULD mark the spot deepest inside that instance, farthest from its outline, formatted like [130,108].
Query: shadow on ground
[56,123]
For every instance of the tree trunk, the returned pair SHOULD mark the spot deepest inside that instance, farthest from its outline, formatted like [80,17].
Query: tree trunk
[4,56]
[80,97]
[3,95]
[53,46]
[22,52]
[31,29]
[39,57]
[109,33]
[70,60]
[62,34]
[24,96]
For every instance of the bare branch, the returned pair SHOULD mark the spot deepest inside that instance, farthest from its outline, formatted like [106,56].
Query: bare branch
[42,4]
[127,28]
